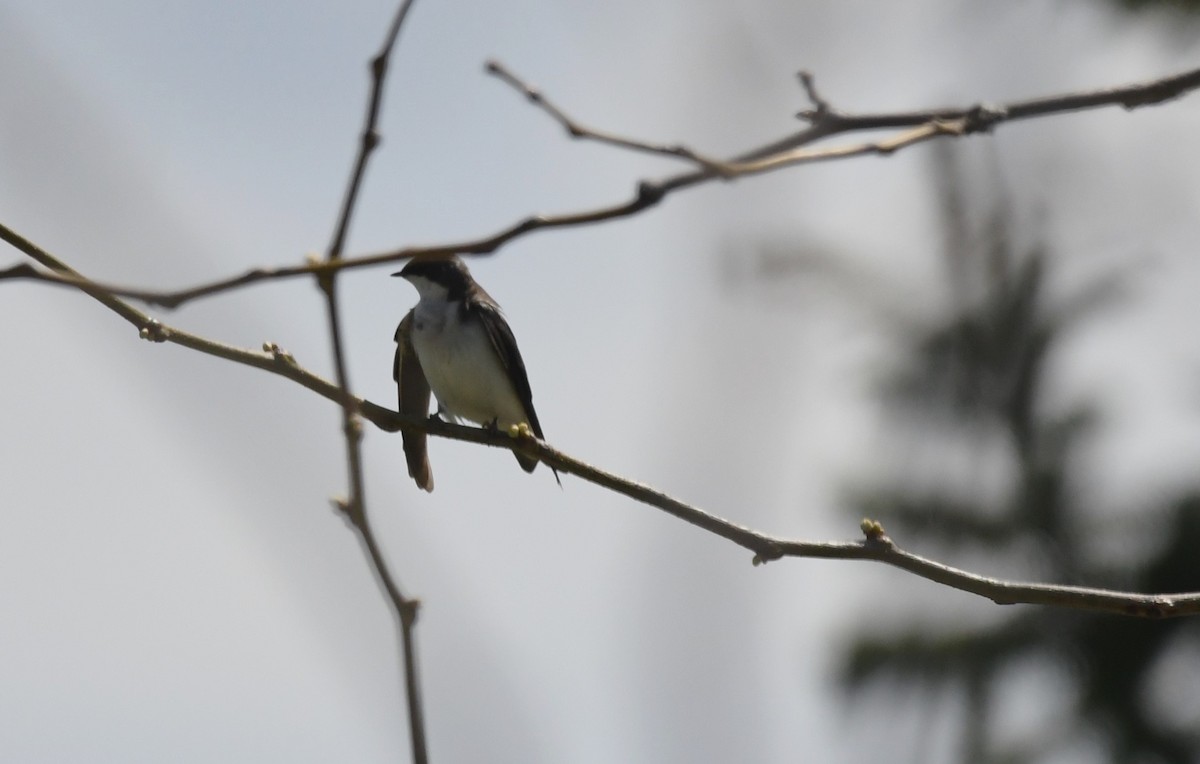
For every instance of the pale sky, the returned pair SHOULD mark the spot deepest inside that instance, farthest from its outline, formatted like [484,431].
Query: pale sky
[173,583]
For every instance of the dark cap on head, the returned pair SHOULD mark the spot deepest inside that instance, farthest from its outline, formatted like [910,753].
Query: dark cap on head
[447,272]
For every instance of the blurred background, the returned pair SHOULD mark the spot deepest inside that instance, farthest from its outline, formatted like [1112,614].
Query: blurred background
[988,344]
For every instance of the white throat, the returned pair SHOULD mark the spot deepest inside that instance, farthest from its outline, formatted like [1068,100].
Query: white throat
[460,363]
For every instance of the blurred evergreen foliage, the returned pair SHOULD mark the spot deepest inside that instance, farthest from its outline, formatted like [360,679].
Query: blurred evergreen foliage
[1187,6]
[982,373]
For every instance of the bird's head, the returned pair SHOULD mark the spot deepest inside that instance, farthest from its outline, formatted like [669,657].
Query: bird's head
[441,277]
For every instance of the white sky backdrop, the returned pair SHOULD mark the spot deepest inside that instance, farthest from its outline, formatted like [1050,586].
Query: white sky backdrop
[173,584]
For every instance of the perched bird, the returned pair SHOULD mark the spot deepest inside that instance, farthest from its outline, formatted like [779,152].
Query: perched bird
[457,344]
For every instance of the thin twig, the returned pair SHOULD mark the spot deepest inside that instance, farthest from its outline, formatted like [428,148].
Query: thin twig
[825,121]
[355,505]
[577,130]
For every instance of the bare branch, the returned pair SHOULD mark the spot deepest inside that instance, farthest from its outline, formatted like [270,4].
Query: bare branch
[982,117]
[876,545]
[313,266]
[825,121]
[577,130]
[354,507]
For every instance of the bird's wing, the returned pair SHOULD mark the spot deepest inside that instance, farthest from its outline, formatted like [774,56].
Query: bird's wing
[414,399]
[505,345]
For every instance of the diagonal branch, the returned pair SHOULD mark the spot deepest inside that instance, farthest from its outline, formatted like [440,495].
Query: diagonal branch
[875,546]
[824,121]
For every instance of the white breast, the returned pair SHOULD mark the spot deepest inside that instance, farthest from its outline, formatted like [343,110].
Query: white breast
[462,367]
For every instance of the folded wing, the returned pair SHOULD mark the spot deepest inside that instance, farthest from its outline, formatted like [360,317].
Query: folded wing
[414,399]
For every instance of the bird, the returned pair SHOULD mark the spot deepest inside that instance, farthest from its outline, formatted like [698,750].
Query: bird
[457,344]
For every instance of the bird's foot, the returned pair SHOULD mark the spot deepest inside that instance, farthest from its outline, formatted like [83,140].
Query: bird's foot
[522,430]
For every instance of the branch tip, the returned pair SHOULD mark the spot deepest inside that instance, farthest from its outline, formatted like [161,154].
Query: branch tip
[409,610]
[153,331]
[809,83]
[279,354]
[768,553]
[378,65]
[649,193]
[872,529]
[983,117]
